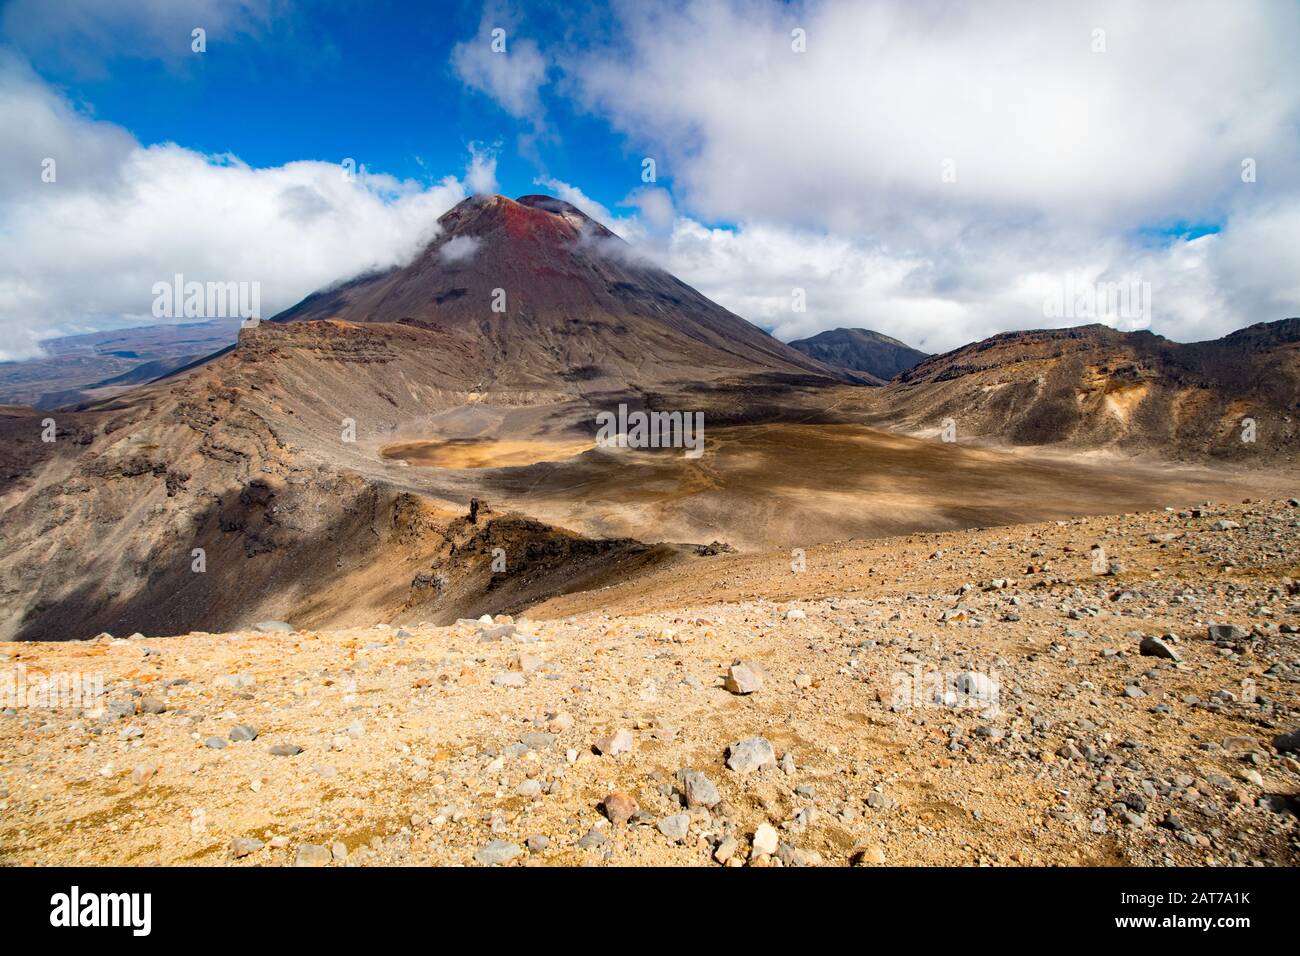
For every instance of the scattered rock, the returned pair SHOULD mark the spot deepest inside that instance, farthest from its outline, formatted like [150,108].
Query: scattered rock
[619,807]
[699,790]
[765,841]
[878,800]
[619,742]
[749,754]
[744,677]
[498,633]
[119,709]
[310,854]
[1155,647]
[1225,632]
[872,856]
[727,848]
[976,686]
[243,846]
[497,853]
[675,827]
[526,663]
[790,855]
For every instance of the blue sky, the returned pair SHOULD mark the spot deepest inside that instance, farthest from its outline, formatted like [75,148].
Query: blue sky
[936,172]
[367,80]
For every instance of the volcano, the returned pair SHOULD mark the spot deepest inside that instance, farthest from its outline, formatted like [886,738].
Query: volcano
[533,292]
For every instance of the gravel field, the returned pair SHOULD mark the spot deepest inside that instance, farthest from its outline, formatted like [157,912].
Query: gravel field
[994,697]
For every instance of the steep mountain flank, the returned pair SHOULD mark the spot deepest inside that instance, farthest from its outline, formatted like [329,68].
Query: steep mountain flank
[1094,387]
[533,293]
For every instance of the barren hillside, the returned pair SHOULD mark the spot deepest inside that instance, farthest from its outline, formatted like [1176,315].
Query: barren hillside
[1094,387]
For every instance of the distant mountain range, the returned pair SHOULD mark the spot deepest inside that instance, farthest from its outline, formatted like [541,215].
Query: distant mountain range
[877,356]
[78,368]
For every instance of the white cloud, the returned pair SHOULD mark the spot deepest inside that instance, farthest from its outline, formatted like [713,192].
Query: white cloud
[831,162]
[82,35]
[654,205]
[481,177]
[460,248]
[856,130]
[40,124]
[1199,289]
[86,249]
[754,270]
[507,67]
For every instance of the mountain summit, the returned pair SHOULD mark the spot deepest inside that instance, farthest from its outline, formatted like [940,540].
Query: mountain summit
[533,289]
[861,350]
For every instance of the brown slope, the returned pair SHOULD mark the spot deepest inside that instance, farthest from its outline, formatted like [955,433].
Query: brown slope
[244,457]
[1094,387]
[580,305]
[99,529]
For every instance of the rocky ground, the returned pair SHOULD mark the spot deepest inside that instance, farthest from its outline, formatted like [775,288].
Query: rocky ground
[1002,696]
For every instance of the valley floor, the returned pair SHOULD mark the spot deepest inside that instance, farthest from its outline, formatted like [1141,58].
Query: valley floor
[784,485]
[482,742]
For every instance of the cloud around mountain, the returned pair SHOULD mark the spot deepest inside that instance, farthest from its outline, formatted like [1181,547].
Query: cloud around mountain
[87,248]
[931,171]
[785,178]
